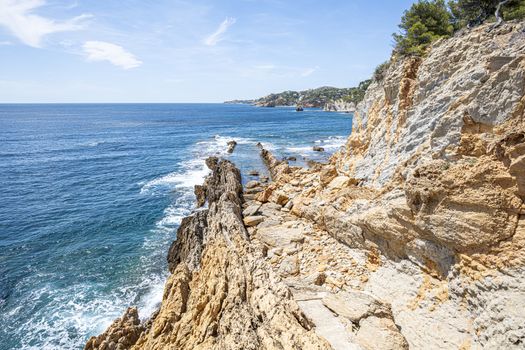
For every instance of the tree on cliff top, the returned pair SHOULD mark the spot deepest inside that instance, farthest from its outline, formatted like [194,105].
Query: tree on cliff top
[514,10]
[424,22]
[475,12]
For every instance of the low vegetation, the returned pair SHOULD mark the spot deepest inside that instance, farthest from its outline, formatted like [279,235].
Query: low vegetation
[380,71]
[429,20]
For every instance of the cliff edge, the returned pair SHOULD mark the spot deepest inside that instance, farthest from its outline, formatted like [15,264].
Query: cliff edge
[412,236]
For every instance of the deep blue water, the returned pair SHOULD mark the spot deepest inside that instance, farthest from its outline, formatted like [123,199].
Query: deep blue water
[91,196]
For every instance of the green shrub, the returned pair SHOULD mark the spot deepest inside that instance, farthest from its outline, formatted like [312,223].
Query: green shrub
[474,12]
[424,22]
[514,10]
[380,71]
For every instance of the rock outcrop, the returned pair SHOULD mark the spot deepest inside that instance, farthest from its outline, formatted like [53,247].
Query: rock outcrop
[428,191]
[412,237]
[122,333]
[220,294]
[340,106]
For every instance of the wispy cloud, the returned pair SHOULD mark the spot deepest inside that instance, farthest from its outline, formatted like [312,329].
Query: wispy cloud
[17,16]
[5,43]
[309,71]
[217,36]
[115,54]
[265,66]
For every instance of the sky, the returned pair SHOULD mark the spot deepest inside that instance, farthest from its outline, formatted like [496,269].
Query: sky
[188,50]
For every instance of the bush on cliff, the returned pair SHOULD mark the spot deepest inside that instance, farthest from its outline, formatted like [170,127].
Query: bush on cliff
[380,71]
[515,10]
[424,22]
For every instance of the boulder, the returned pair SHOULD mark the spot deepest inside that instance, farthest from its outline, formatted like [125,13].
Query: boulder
[318,149]
[380,333]
[253,190]
[289,266]
[252,209]
[231,146]
[252,184]
[253,220]
[339,182]
[355,305]
[280,236]
[327,174]
[279,197]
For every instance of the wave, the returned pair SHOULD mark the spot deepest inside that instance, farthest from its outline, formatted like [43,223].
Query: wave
[330,144]
[194,171]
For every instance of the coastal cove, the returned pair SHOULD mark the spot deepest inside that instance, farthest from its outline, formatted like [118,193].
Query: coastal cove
[94,193]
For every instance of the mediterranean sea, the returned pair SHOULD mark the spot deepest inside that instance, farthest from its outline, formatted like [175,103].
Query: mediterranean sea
[91,196]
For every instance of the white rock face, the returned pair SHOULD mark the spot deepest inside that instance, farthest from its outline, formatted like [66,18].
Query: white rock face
[421,105]
[340,106]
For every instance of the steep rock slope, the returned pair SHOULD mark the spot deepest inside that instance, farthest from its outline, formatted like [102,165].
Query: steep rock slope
[431,181]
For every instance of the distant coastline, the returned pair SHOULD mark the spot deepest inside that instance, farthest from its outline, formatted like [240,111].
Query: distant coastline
[330,99]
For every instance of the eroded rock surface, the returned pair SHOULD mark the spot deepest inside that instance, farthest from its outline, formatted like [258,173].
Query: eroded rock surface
[413,236]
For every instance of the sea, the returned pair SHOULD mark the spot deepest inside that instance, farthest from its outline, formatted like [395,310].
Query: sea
[91,196]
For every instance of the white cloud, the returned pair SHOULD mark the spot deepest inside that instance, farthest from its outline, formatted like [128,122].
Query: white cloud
[5,43]
[17,16]
[115,54]
[217,36]
[309,71]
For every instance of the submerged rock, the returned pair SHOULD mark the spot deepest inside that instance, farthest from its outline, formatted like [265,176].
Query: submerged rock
[231,146]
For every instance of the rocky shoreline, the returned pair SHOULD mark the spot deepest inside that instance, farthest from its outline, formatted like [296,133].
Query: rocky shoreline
[340,106]
[413,236]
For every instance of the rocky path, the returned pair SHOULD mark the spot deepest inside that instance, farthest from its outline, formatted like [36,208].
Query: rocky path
[324,275]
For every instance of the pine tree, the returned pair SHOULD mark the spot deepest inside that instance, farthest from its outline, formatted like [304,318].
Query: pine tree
[424,22]
[474,12]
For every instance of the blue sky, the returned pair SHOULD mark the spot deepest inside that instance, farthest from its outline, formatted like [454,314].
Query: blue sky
[188,51]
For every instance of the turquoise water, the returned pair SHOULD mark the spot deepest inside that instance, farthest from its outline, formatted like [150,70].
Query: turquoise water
[91,197]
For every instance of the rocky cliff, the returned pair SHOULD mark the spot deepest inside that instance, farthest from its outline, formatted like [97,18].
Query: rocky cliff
[340,106]
[412,236]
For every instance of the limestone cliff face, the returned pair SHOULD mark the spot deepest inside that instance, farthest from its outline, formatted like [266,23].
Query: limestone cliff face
[435,152]
[467,87]
[413,236]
